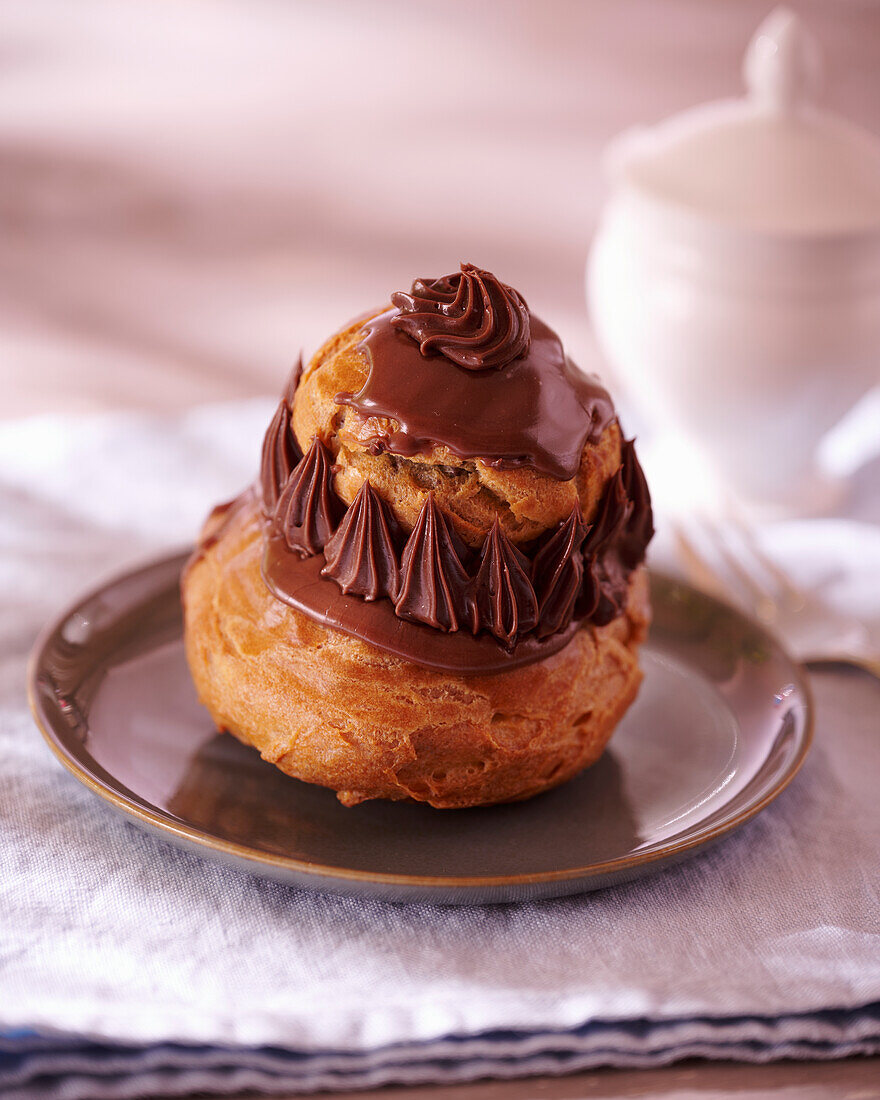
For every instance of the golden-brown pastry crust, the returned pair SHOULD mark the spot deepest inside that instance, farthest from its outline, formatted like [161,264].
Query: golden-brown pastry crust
[331,709]
[470,491]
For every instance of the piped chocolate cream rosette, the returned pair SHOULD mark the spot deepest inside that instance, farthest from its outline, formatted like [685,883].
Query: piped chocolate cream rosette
[435,590]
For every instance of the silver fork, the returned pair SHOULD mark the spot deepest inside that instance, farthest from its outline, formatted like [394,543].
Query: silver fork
[728,560]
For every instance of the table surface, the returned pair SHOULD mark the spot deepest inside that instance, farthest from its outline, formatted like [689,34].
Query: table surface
[186,202]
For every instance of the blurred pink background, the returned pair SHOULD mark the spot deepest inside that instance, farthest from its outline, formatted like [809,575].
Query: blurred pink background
[191,192]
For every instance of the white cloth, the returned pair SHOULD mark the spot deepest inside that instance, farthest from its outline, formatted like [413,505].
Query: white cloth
[130,968]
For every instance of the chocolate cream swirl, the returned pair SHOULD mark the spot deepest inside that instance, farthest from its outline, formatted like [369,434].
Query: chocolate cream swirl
[470,317]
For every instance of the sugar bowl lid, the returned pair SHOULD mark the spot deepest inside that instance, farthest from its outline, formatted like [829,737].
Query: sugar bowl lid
[773,161]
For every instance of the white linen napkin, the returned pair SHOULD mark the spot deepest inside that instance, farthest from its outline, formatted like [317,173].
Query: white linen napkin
[130,968]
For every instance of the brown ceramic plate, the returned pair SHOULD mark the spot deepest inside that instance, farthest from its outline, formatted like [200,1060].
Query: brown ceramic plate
[720,727]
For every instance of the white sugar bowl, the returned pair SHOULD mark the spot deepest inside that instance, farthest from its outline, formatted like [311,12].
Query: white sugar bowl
[734,281]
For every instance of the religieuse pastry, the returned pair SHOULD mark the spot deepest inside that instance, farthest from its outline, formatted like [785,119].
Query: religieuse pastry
[435,590]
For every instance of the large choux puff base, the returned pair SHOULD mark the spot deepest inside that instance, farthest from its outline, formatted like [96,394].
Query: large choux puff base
[330,709]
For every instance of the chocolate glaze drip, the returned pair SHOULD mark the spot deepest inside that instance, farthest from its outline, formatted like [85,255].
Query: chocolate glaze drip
[308,509]
[434,584]
[362,556]
[504,601]
[470,317]
[557,573]
[538,412]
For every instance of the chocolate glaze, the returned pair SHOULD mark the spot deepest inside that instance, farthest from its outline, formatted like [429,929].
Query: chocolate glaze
[362,556]
[470,317]
[504,601]
[308,510]
[298,582]
[539,411]
[434,584]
